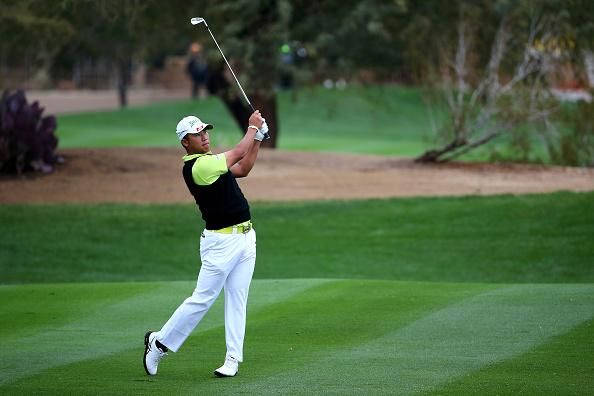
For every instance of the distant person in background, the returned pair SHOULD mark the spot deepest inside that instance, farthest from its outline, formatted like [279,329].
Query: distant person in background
[198,71]
[287,60]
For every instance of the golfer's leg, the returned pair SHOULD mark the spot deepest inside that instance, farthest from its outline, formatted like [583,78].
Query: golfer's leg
[187,316]
[236,294]
[214,254]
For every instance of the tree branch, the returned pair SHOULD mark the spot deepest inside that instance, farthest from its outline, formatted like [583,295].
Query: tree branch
[531,57]
[466,148]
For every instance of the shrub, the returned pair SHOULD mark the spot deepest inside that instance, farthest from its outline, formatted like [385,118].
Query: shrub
[576,144]
[27,140]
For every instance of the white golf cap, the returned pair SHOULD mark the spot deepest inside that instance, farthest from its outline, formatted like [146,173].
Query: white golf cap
[190,124]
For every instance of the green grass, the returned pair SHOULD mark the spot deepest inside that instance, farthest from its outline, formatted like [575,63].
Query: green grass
[304,336]
[531,238]
[481,295]
[388,120]
[382,120]
[560,366]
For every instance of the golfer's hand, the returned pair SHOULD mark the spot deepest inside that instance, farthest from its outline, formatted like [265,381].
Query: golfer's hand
[256,119]
[261,134]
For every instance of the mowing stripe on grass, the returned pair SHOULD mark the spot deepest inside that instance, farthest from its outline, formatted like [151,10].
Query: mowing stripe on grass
[102,329]
[562,366]
[447,344]
[27,310]
[337,336]
[321,315]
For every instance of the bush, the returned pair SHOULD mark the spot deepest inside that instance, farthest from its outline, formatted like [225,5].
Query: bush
[576,145]
[27,140]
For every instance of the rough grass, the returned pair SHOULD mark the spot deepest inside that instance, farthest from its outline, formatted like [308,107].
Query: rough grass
[508,239]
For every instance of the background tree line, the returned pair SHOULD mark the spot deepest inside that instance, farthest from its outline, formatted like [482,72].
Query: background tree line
[489,64]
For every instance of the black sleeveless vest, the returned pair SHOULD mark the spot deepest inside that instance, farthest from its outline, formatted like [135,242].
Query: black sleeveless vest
[221,203]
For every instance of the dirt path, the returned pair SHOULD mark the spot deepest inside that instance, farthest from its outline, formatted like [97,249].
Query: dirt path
[146,175]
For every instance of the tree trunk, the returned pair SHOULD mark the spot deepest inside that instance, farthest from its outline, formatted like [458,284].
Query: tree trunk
[239,109]
[589,63]
[267,106]
[436,155]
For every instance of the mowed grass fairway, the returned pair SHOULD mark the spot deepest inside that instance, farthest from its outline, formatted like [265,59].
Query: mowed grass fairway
[306,336]
[383,120]
[434,295]
[390,120]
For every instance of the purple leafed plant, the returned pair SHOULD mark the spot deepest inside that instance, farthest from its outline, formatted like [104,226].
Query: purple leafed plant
[27,140]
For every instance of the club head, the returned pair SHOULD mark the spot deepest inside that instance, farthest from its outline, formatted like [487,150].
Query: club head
[197,20]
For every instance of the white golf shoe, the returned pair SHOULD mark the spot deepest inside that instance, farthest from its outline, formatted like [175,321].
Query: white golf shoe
[228,369]
[152,354]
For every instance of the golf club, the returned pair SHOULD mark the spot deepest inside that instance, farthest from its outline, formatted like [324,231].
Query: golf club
[196,21]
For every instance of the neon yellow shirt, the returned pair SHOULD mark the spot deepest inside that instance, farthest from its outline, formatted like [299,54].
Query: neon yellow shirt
[207,168]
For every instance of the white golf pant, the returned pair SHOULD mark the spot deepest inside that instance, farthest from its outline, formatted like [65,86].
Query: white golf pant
[228,261]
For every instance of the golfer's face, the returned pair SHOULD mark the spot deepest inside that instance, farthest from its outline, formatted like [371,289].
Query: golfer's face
[198,142]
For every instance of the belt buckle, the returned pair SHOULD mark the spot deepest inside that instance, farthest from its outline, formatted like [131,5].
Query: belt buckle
[247,228]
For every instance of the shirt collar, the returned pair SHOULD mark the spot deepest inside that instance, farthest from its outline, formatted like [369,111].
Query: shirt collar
[188,157]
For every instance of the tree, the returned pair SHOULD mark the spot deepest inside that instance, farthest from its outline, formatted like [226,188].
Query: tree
[109,29]
[250,33]
[339,37]
[494,92]
[30,35]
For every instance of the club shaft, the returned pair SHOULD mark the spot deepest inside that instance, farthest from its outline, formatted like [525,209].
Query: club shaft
[229,66]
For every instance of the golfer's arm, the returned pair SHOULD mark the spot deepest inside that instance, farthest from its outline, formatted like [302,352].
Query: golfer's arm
[243,167]
[242,148]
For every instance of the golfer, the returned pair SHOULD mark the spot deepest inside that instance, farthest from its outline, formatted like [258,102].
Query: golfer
[227,244]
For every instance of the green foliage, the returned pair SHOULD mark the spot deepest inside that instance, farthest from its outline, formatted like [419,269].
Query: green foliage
[495,75]
[341,37]
[252,33]
[345,37]
[356,39]
[428,29]
[575,142]
[30,35]
[113,30]
[475,239]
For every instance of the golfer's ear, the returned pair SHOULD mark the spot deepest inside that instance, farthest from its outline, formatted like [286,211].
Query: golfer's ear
[184,142]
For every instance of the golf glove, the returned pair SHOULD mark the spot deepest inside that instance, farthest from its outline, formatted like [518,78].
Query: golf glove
[259,136]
